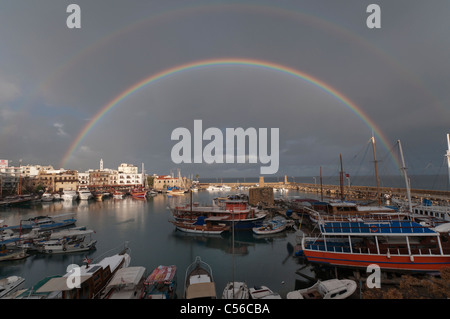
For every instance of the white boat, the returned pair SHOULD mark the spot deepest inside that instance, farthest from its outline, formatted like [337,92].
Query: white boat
[47,197]
[215,188]
[85,193]
[263,292]
[70,195]
[10,285]
[236,290]
[93,279]
[201,226]
[199,282]
[127,283]
[57,196]
[75,241]
[328,289]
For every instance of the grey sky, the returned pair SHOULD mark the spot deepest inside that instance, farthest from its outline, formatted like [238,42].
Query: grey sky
[53,80]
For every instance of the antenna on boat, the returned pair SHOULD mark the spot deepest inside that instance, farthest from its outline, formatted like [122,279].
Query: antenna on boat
[408,190]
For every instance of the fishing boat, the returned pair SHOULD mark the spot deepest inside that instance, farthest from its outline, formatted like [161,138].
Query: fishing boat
[236,290]
[201,226]
[69,196]
[161,283]
[76,241]
[273,226]
[263,292]
[12,253]
[43,223]
[328,289]
[236,212]
[93,278]
[98,196]
[118,195]
[138,194]
[127,283]
[199,281]
[10,284]
[84,193]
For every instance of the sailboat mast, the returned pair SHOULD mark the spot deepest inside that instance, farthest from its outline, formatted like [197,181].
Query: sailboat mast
[408,190]
[342,179]
[321,186]
[448,156]
[376,170]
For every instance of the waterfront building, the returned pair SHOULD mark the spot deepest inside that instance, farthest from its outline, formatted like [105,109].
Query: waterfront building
[56,180]
[161,182]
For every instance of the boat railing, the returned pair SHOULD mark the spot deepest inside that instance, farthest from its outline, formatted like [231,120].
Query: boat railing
[329,247]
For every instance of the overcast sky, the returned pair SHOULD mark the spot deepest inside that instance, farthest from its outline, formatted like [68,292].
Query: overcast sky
[53,80]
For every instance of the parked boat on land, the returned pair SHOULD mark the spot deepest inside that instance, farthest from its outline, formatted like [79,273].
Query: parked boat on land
[161,283]
[127,283]
[10,284]
[199,281]
[328,289]
[263,292]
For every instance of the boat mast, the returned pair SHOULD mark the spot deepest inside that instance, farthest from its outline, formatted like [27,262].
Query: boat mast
[408,190]
[376,170]
[448,156]
[342,179]
[321,186]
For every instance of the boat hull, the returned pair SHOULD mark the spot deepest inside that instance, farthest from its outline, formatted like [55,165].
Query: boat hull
[420,263]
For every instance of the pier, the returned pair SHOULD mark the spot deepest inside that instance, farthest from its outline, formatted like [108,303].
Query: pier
[351,192]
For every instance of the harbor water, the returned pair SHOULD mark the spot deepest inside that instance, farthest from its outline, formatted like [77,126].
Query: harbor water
[144,226]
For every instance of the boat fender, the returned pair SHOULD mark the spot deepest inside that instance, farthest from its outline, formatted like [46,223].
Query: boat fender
[64,249]
[388,255]
[50,251]
[411,258]
[81,246]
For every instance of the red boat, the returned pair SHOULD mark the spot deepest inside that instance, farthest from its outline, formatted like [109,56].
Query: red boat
[392,245]
[139,194]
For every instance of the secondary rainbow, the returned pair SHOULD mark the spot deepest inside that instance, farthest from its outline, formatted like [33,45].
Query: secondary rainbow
[221,62]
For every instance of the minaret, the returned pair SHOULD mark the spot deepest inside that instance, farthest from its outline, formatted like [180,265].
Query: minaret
[101,164]
[448,155]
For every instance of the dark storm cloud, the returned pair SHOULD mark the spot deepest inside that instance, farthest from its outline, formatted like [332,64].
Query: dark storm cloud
[53,80]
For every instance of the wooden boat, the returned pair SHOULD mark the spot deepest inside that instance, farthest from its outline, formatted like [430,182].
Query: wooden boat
[161,283]
[10,284]
[118,195]
[236,290]
[93,278]
[127,283]
[393,245]
[199,282]
[234,212]
[201,226]
[139,194]
[273,226]
[42,223]
[328,289]
[263,292]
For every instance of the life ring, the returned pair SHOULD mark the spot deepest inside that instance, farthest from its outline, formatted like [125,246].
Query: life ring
[373,229]
[64,249]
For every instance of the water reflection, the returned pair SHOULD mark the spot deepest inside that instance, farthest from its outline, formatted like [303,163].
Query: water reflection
[153,241]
